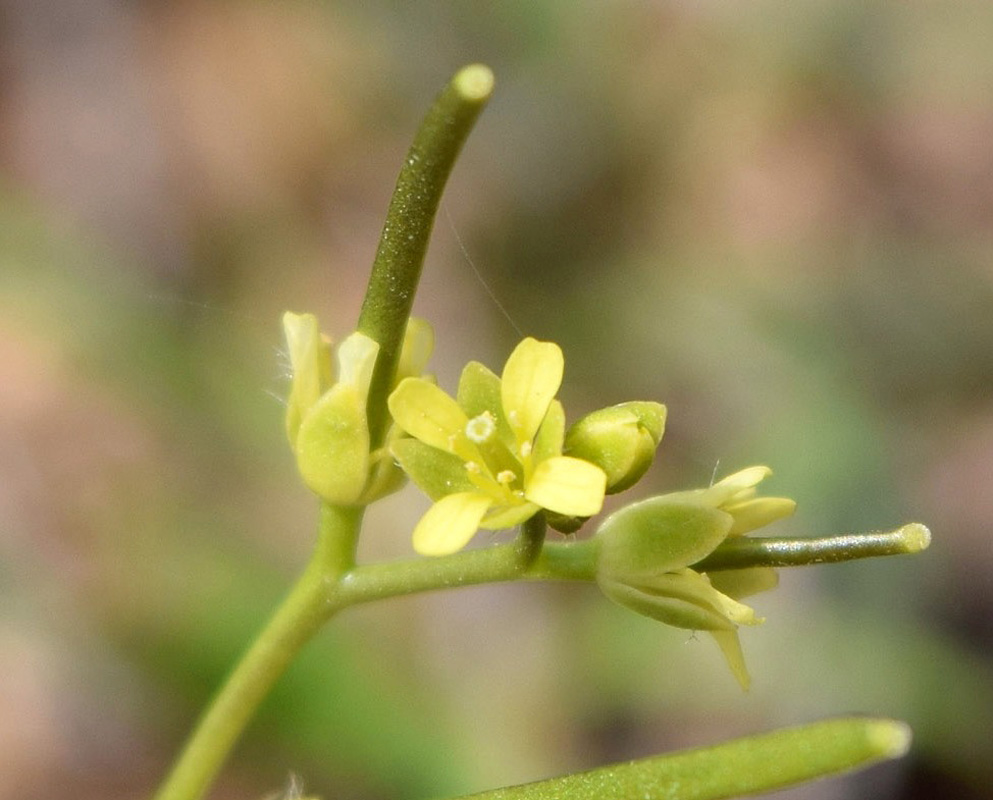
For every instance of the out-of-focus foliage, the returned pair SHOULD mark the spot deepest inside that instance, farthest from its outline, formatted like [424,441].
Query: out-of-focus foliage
[773,217]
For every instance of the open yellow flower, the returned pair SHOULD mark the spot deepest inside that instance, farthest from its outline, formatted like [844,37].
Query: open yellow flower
[492,458]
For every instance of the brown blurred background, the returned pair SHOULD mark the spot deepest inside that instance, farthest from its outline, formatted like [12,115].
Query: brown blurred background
[775,217]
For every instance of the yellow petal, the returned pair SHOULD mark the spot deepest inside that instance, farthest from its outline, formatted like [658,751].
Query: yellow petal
[531,378]
[356,360]
[418,342]
[731,648]
[745,479]
[427,413]
[450,523]
[758,512]
[567,486]
[739,485]
[306,351]
[735,488]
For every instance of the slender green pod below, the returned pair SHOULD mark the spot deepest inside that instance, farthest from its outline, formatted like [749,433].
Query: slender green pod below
[748,766]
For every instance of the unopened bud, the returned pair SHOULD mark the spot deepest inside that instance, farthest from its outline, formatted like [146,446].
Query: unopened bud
[621,440]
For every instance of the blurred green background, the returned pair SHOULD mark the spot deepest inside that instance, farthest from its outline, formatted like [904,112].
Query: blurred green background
[775,217]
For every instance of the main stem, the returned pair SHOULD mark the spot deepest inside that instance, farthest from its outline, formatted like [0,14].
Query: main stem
[308,605]
[385,311]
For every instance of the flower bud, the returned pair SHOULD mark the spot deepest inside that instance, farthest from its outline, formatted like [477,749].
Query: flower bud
[644,553]
[326,416]
[332,440]
[621,440]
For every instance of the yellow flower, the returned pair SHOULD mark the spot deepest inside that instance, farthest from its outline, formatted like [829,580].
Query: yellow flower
[492,458]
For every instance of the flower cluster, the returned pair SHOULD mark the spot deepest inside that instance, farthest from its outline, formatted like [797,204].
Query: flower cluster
[499,452]
[493,456]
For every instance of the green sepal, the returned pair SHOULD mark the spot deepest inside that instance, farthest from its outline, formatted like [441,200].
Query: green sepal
[435,472]
[678,611]
[658,535]
[479,391]
[332,446]
[740,583]
[651,416]
[683,599]
[564,524]
[385,476]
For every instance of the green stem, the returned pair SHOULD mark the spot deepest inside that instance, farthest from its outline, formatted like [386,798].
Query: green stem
[532,537]
[404,241]
[337,539]
[496,564]
[744,552]
[300,615]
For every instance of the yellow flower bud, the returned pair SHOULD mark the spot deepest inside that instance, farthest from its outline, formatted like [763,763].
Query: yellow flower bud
[621,440]
[326,417]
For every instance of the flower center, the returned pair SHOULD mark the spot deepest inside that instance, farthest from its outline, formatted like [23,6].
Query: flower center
[480,428]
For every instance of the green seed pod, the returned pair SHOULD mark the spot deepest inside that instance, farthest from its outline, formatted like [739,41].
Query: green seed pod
[621,440]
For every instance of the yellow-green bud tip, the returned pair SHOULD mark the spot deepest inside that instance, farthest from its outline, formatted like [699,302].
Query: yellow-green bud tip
[474,82]
[888,737]
[915,537]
